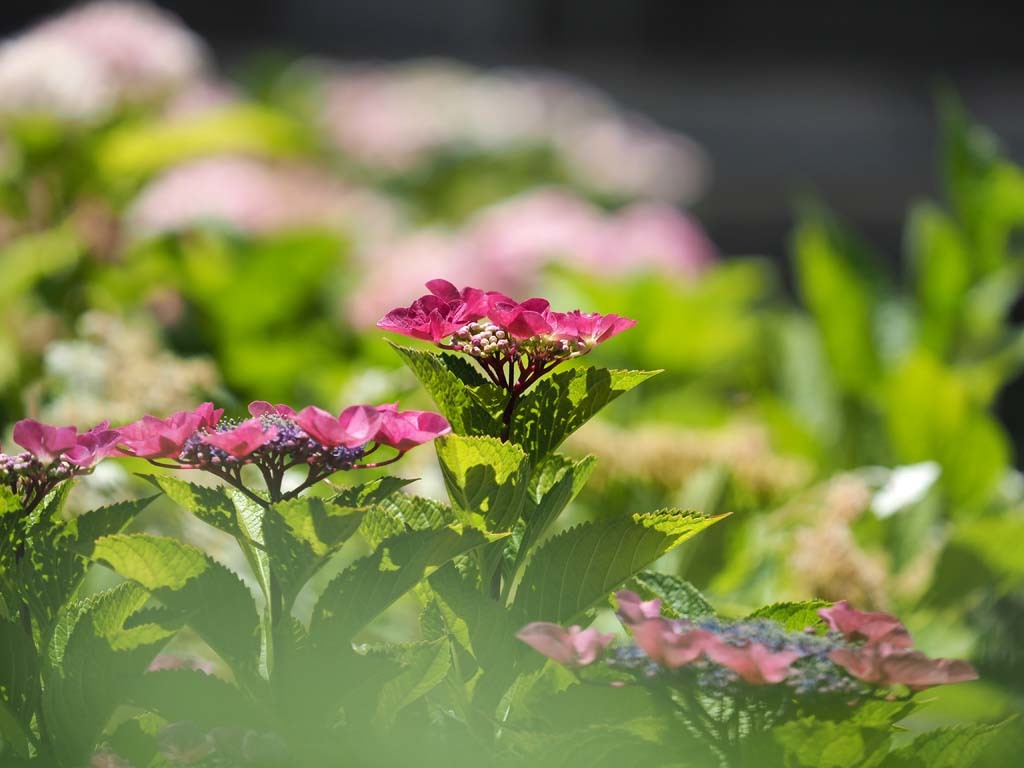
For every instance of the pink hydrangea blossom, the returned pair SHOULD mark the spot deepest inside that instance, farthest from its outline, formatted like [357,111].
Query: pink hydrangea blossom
[672,644]
[153,438]
[587,329]
[522,320]
[755,663]
[886,664]
[438,314]
[355,426]
[242,440]
[574,647]
[48,443]
[871,627]
[633,610]
[263,408]
[404,430]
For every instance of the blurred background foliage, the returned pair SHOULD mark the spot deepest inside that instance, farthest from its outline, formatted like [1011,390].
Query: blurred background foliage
[169,236]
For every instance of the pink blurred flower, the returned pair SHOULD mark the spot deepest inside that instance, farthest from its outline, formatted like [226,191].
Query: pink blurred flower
[355,426]
[886,664]
[142,49]
[755,663]
[871,627]
[242,440]
[571,648]
[671,644]
[168,661]
[633,610]
[404,430]
[153,438]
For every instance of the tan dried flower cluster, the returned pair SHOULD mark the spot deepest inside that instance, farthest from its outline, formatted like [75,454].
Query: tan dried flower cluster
[670,455]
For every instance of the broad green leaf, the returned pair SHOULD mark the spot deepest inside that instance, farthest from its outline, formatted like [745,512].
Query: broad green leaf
[818,743]
[18,682]
[371,492]
[96,665]
[371,584]
[465,411]
[679,598]
[486,479]
[106,520]
[554,483]
[991,539]
[403,512]
[12,732]
[581,566]
[428,668]
[794,616]
[958,746]
[562,403]
[840,290]
[218,606]
[210,504]
[184,694]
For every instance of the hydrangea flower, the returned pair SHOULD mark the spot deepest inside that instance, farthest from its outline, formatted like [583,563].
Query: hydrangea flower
[573,647]
[515,343]
[277,438]
[52,455]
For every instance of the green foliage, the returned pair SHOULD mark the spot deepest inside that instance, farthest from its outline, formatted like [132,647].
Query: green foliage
[679,598]
[794,616]
[578,568]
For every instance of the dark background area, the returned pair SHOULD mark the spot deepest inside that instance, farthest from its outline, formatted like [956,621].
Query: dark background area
[787,98]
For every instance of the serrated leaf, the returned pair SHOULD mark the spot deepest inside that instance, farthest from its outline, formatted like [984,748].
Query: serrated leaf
[959,746]
[484,477]
[211,505]
[453,396]
[371,584]
[554,483]
[581,566]
[679,598]
[185,694]
[403,512]
[371,492]
[818,743]
[98,658]
[562,403]
[794,616]
[106,520]
[18,676]
[428,668]
[218,606]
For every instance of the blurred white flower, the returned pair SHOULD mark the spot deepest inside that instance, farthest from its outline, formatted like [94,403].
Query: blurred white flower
[905,486]
[43,76]
[78,65]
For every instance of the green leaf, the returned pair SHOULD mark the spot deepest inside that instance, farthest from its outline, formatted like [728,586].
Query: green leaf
[840,289]
[403,512]
[794,616]
[464,410]
[371,492]
[817,743]
[211,505]
[429,667]
[581,566]
[486,479]
[98,658]
[554,483]
[184,694]
[18,681]
[679,598]
[218,606]
[106,520]
[958,746]
[562,403]
[371,584]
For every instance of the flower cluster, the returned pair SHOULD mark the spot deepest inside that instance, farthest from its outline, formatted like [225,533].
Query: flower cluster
[515,343]
[51,456]
[278,438]
[860,652]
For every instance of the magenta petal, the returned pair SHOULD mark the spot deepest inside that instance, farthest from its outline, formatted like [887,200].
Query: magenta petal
[46,443]
[873,627]
[633,610]
[360,423]
[241,441]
